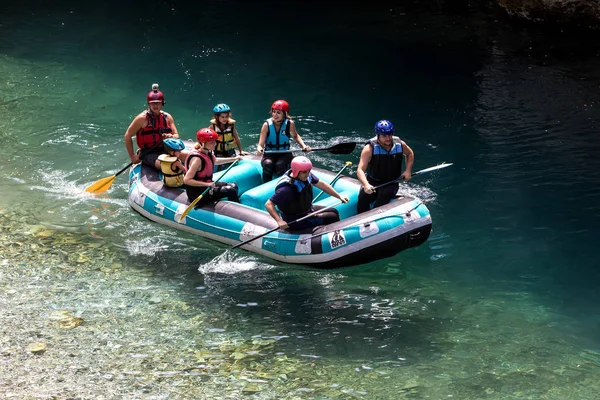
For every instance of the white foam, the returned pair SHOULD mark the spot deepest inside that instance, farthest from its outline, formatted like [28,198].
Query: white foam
[231,263]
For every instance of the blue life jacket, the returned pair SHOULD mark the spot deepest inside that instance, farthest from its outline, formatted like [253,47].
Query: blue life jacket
[385,166]
[278,140]
[302,203]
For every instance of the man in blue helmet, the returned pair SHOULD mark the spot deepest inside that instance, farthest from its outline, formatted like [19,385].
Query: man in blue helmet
[381,162]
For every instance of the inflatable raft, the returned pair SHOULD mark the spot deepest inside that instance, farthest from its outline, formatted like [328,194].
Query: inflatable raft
[355,239]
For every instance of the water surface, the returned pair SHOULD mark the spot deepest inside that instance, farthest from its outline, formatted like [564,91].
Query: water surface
[500,302]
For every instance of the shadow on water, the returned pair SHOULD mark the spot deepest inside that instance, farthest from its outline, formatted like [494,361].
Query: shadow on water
[308,313]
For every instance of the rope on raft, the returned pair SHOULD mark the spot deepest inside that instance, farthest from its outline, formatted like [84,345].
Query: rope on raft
[398,215]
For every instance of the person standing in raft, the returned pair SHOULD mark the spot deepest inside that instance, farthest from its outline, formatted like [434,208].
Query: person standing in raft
[171,167]
[150,127]
[275,135]
[380,162]
[293,196]
[228,139]
[200,164]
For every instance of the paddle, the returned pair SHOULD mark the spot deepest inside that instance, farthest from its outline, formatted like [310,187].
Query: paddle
[334,180]
[434,168]
[197,199]
[340,148]
[104,184]
[289,223]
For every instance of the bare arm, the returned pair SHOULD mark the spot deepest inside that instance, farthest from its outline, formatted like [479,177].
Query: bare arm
[137,124]
[296,136]
[270,206]
[171,123]
[410,160]
[365,159]
[236,137]
[260,149]
[327,188]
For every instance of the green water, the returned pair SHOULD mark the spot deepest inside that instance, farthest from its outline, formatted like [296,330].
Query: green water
[500,303]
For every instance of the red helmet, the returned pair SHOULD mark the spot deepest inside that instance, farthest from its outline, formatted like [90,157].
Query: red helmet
[206,135]
[155,96]
[281,105]
[300,163]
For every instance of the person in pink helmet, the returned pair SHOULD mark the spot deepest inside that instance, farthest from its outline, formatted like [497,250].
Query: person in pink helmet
[200,165]
[293,197]
[150,127]
[275,136]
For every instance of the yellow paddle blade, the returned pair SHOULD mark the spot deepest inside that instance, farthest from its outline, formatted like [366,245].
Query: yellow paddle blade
[102,185]
[190,207]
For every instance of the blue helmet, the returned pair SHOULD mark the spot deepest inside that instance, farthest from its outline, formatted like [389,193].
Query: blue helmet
[174,144]
[384,127]
[221,108]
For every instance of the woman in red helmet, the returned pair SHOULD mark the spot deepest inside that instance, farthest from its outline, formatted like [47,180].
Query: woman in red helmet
[293,196]
[150,127]
[275,136]
[200,164]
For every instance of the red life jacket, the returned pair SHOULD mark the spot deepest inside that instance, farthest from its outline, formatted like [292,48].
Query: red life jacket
[205,173]
[151,135]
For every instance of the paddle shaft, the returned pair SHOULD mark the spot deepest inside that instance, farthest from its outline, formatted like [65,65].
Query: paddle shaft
[414,174]
[124,169]
[197,199]
[131,163]
[312,214]
[340,148]
[334,180]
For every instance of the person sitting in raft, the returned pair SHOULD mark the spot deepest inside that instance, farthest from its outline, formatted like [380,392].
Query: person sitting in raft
[200,164]
[150,127]
[293,196]
[171,167]
[228,139]
[275,135]
[380,162]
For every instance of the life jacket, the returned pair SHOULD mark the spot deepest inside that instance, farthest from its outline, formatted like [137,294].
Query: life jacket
[205,173]
[302,204]
[151,135]
[278,140]
[225,141]
[171,178]
[385,166]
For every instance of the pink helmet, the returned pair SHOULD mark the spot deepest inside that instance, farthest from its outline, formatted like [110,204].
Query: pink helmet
[281,105]
[155,96]
[300,163]
[206,135]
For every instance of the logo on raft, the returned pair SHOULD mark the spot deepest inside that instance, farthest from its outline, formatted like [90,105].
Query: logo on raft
[336,239]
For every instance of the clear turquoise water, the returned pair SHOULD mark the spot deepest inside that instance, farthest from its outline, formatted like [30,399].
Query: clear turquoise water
[501,302]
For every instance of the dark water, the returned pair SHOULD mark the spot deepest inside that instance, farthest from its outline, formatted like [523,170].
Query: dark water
[501,302]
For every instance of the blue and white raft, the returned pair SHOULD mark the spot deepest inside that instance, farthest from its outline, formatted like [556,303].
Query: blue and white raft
[355,239]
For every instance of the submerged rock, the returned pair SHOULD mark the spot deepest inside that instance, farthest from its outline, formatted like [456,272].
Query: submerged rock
[38,348]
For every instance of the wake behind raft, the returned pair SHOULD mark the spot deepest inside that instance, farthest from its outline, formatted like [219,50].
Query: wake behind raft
[355,239]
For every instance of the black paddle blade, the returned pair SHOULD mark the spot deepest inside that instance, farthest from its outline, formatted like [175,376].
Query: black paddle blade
[342,148]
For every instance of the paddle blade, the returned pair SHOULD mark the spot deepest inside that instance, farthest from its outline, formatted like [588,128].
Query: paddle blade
[190,207]
[102,185]
[440,166]
[342,148]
